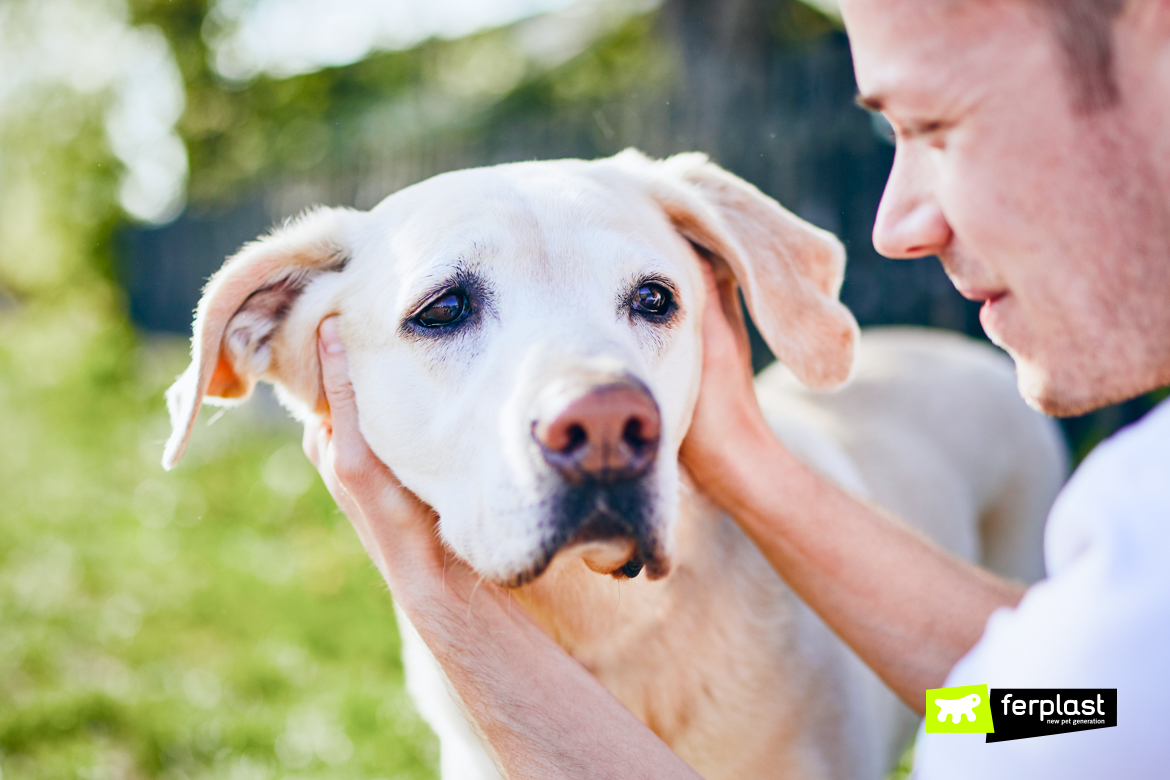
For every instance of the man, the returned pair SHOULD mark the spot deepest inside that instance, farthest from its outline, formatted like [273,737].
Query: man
[1034,159]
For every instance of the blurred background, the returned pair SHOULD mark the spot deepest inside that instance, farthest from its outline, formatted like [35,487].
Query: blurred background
[221,620]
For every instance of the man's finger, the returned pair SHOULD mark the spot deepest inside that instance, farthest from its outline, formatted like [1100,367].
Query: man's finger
[724,328]
[351,455]
[334,368]
[343,414]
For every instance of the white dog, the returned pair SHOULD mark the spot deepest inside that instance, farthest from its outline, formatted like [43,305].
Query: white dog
[524,344]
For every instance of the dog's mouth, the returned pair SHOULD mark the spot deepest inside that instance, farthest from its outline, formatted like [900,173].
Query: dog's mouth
[609,526]
[616,557]
[607,551]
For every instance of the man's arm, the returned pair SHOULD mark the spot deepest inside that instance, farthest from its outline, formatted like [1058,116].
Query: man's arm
[543,714]
[909,609]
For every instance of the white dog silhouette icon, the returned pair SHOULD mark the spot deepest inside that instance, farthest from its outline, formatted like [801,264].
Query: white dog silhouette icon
[957,708]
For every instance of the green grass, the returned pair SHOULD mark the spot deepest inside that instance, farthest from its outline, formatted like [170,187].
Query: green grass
[217,621]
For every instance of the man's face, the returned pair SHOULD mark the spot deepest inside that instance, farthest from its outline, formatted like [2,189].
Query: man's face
[1056,220]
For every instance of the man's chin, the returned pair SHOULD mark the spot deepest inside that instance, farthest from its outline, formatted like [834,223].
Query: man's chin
[1064,396]
[1056,406]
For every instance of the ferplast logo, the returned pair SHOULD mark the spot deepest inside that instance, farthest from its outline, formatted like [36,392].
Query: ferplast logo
[1023,713]
[962,710]
[1019,713]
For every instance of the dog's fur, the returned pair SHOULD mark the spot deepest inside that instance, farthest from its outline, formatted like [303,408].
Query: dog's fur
[708,647]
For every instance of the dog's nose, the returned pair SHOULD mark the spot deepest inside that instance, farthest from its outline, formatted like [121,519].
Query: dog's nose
[602,433]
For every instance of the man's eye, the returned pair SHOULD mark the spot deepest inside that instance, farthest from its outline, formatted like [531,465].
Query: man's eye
[652,299]
[449,308]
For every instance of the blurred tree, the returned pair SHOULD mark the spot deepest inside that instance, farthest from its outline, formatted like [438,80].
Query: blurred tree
[60,306]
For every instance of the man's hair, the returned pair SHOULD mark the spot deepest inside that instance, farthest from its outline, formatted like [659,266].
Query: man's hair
[1084,32]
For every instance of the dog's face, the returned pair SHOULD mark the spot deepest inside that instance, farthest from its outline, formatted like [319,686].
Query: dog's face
[486,310]
[524,341]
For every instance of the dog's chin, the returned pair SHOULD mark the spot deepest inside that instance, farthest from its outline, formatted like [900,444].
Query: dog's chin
[610,527]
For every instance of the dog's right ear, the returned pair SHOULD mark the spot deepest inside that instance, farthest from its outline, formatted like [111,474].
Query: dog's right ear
[790,271]
[243,306]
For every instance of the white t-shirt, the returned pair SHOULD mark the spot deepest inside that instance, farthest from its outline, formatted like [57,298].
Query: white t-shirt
[1101,620]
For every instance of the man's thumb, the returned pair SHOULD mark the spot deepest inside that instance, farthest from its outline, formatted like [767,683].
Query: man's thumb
[334,368]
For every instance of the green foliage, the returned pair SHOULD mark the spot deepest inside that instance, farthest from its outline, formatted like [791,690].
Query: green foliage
[57,198]
[246,136]
[798,23]
[628,59]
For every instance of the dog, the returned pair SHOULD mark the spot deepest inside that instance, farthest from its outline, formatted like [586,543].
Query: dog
[524,345]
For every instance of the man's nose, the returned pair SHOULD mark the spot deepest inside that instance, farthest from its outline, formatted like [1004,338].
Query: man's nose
[603,433]
[910,223]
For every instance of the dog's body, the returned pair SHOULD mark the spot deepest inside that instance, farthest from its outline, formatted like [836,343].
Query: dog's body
[498,320]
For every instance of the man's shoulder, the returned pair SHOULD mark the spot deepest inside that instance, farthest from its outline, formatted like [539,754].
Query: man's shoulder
[1120,492]
[1137,451]
[1126,470]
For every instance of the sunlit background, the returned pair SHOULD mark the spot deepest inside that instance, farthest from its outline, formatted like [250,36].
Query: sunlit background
[221,620]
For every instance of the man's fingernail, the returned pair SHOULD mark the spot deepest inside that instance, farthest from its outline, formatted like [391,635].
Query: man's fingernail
[329,338]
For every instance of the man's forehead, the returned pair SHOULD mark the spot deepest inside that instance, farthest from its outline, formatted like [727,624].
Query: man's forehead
[912,50]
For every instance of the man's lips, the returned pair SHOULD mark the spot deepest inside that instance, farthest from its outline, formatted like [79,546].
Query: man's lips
[981,295]
[991,314]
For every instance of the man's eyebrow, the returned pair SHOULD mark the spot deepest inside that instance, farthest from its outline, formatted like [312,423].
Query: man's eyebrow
[870,102]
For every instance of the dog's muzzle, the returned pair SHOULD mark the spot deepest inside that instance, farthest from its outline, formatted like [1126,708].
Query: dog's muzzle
[601,436]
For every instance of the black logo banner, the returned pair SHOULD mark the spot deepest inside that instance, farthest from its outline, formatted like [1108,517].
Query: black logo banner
[1020,713]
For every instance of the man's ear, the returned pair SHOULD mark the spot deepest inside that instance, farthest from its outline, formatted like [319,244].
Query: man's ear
[789,270]
[242,310]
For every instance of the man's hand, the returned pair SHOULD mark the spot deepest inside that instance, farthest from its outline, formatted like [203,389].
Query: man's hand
[396,528]
[727,417]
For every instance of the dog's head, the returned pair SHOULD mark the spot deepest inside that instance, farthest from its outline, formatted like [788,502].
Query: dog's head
[524,341]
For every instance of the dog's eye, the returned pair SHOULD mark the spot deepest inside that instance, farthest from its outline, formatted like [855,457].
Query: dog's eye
[652,299]
[449,308]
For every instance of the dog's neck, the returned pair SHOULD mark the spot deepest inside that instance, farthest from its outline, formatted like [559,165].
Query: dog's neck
[650,642]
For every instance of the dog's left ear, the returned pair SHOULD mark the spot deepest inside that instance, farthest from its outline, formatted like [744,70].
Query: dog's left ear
[789,270]
[239,322]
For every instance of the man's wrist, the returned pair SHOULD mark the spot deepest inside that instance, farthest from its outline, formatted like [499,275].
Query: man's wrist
[425,578]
